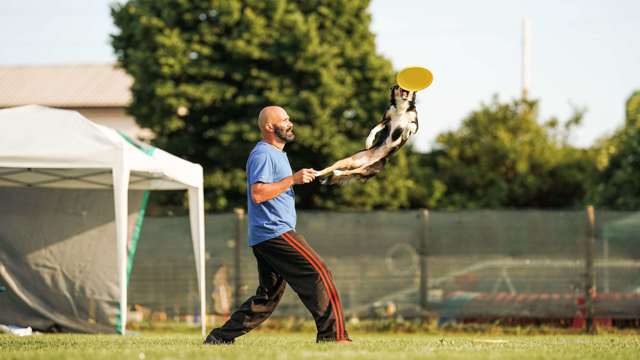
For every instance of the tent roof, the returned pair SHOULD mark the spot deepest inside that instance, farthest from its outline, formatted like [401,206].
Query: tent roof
[41,146]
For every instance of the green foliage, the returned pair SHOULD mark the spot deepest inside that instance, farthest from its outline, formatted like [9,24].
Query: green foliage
[203,69]
[632,110]
[619,182]
[501,156]
[430,188]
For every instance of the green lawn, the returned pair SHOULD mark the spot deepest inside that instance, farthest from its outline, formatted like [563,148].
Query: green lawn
[274,345]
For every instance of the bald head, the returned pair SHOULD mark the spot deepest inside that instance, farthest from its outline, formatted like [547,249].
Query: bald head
[271,115]
[275,126]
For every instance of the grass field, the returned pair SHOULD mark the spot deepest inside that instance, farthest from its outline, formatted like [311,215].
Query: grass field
[274,345]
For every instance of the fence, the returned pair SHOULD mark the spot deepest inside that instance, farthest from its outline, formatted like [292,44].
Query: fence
[464,265]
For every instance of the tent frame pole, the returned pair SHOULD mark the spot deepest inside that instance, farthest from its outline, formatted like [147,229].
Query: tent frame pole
[196,219]
[120,194]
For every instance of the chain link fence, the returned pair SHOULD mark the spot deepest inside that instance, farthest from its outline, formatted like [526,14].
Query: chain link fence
[485,265]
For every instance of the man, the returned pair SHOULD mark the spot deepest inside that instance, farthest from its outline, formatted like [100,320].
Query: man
[283,256]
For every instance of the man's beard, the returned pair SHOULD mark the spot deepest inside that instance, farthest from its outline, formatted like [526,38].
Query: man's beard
[284,135]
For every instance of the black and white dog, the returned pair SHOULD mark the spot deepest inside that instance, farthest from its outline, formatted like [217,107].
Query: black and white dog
[400,121]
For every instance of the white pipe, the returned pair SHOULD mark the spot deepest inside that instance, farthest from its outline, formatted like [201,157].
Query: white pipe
[120,195]
[526,53]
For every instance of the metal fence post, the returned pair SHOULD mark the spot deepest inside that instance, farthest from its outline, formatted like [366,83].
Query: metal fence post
[590,278]
[605,268]
[422,250]
[237,259]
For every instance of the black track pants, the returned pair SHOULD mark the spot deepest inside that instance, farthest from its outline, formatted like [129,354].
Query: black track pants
[288,259]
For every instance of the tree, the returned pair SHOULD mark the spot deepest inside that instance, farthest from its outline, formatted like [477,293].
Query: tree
[429,189]
[619,185]
[501,156]
[204,68]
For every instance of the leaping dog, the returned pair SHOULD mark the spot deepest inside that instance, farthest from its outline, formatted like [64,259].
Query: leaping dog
[400,121]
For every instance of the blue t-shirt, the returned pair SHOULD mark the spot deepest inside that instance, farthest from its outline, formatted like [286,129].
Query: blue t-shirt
[268,164]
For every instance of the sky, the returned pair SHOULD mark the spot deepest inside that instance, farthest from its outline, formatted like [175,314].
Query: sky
[584,53]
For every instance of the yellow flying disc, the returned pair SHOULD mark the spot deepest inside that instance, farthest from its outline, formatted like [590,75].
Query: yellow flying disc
[414,78]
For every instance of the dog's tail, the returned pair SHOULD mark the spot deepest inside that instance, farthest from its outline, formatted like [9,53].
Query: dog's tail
[334,180]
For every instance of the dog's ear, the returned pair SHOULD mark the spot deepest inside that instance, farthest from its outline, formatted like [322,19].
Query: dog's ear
[392,98]
[412,103]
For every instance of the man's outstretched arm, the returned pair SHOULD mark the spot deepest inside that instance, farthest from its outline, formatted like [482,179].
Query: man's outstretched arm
[261,192]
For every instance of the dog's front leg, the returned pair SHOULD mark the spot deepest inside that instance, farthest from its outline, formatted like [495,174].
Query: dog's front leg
[413,125]
[372,135]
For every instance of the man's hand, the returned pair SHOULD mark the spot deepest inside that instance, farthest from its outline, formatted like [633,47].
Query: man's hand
[261,192]
[304,176]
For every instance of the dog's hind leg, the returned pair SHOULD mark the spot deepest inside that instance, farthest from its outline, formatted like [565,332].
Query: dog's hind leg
[362,173]
[344,163]
[351,162]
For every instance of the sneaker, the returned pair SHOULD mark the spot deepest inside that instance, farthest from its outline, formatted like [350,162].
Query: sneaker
[214,340]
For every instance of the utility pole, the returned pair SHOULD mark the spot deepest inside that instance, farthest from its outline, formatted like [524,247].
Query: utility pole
[526,54]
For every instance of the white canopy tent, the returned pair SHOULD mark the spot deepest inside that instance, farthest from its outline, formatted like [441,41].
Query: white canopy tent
[52,148]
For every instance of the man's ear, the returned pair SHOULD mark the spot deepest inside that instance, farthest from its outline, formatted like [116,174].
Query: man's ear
[268,126]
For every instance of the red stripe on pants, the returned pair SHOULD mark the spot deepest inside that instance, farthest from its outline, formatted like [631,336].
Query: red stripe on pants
[331,291]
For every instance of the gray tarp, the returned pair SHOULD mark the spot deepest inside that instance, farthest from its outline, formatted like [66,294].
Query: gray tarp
[623,236]
[58,258]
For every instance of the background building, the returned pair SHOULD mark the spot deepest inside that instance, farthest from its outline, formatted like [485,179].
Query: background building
[100,92]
